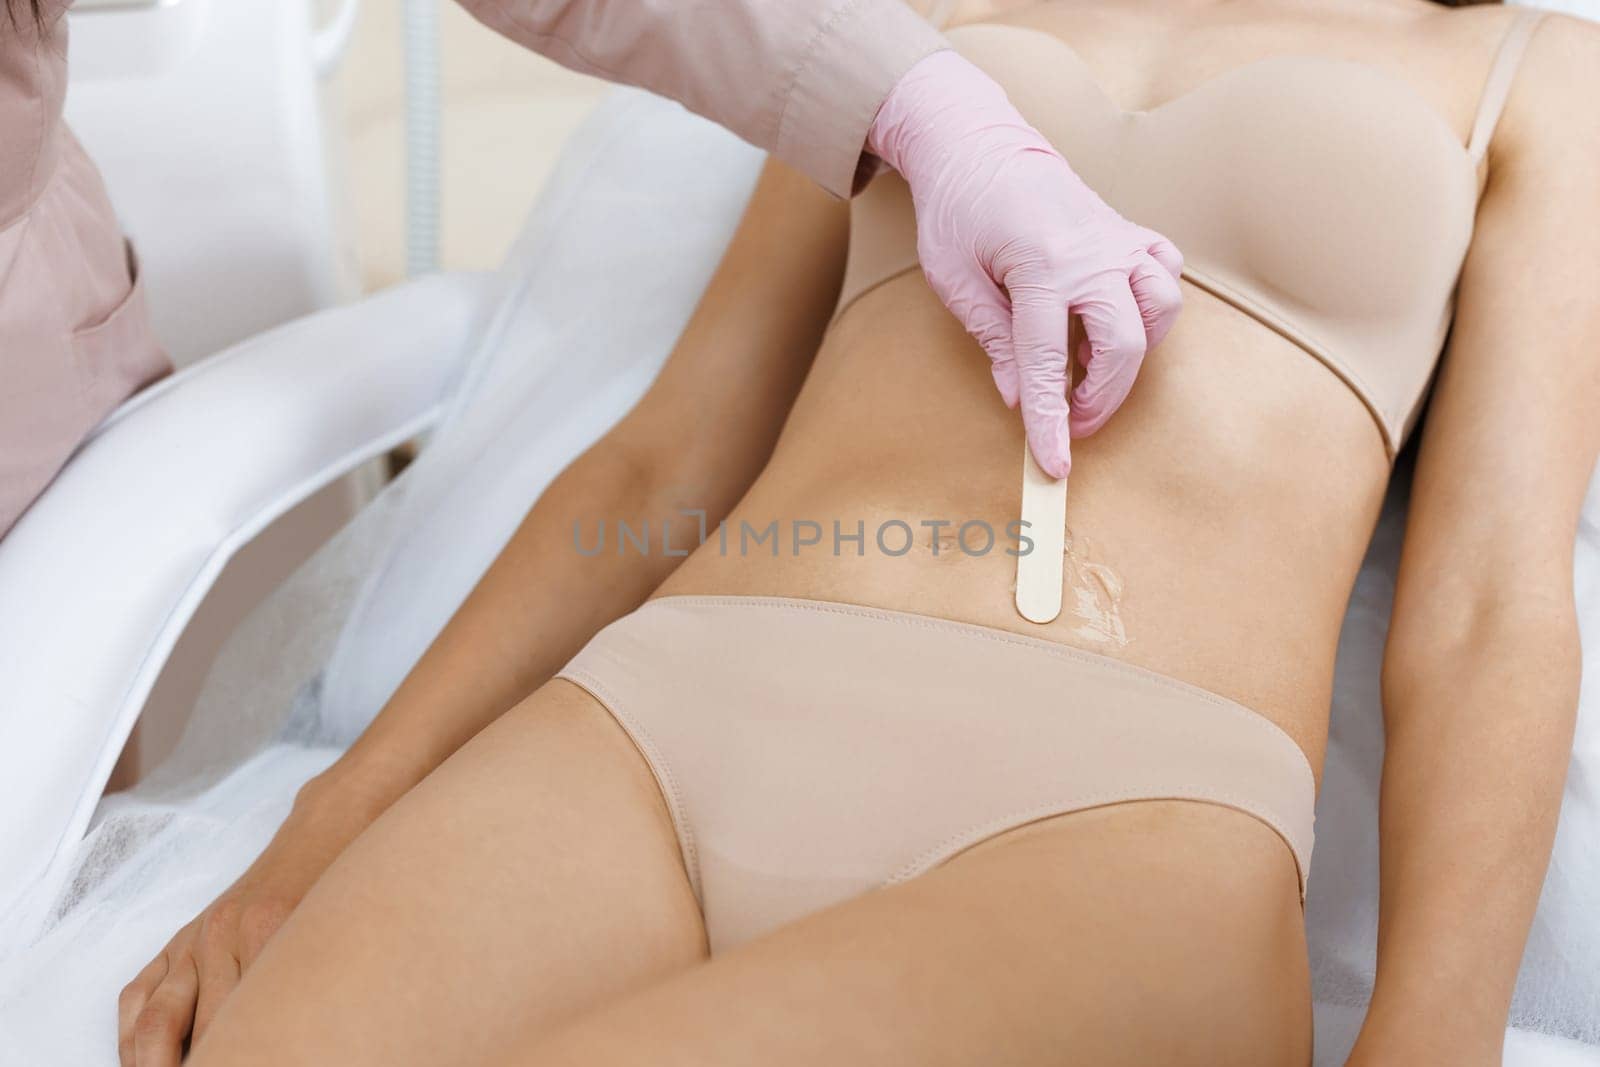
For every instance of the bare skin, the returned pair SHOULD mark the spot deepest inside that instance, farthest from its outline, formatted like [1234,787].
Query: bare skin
[512,927]
[480,918]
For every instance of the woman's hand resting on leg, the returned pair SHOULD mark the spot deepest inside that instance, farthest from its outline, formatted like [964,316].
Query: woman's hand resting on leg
[179,991]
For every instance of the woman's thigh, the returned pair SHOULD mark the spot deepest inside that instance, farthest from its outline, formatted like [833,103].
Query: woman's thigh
[1158,932]
[533,875]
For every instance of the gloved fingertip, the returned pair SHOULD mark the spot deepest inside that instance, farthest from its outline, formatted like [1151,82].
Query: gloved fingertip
[1089,408]
[1161,309]
[1082,423]
[1052,450]
[1061,467]
[1168,255]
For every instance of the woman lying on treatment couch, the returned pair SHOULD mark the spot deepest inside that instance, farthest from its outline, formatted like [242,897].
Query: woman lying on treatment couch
[822,796]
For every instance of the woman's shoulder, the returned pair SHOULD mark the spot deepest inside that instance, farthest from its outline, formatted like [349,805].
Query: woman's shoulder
[1544,84]
[1484,26]
[1553,96]
[1569,48]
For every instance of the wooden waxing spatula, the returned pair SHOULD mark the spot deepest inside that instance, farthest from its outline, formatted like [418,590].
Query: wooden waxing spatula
[1044,510]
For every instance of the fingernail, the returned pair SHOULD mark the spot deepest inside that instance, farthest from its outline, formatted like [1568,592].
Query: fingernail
[1056,462]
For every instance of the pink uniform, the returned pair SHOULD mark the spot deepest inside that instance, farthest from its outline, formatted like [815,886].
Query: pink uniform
[802,79]
[75,336]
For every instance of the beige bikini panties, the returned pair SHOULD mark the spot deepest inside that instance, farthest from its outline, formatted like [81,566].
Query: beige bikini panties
[809,752]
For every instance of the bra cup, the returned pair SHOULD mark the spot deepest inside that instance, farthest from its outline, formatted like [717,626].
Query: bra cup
[1319,195]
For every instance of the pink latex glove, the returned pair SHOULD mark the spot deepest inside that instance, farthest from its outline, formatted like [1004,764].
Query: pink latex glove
[1013,241]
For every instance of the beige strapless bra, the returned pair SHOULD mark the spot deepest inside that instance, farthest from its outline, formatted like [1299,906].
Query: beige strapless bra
[1323,198]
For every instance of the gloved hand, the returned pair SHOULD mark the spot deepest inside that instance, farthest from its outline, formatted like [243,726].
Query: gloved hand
[1013,241]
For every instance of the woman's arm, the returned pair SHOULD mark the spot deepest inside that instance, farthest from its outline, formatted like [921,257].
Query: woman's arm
[1480,677]
[737,369]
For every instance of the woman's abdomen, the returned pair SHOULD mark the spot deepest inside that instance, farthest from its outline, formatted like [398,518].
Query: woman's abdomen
[1215,524]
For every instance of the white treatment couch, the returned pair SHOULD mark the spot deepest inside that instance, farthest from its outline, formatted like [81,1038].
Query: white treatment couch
[515,373]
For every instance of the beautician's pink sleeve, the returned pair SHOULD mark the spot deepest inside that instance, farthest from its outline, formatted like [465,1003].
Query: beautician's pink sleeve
[802,79]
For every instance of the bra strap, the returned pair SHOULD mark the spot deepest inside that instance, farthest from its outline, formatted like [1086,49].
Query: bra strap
[1498,85]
